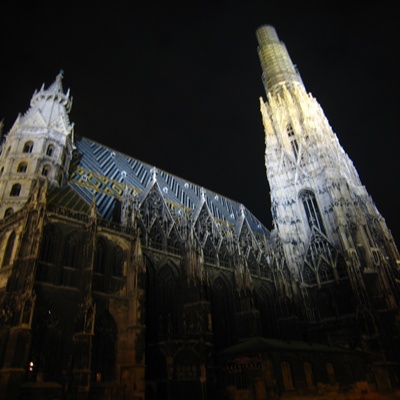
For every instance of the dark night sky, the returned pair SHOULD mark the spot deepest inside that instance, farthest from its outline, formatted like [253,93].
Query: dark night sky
[177,83]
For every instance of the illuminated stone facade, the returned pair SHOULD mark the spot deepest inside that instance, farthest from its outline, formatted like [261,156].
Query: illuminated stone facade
[119,280]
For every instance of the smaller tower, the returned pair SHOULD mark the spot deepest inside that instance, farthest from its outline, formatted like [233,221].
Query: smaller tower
[38,147]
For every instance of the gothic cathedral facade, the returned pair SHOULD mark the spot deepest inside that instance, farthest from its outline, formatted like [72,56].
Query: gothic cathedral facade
[119,280]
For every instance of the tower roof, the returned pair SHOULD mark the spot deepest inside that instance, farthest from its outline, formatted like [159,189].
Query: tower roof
[55,92]
[48,108]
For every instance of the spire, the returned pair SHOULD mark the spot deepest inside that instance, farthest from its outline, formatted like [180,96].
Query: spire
[54,92]
[277,67]
[49,108]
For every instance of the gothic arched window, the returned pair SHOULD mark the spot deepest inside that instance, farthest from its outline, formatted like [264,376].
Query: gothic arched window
[166,301]
[118,262]
[28,147]
[15,190]
[156,240]
[100,257]
[117,269]
[9,249]
[22,167]
[100,263]
[70,260]
[50,150]
[223,313]
[48,246]
[311,209]
[47,270]
[292,139]
[45,170]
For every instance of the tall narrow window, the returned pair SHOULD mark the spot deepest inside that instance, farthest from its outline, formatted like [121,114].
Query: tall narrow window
[45,170]
[292,140]
[22,167]
[50,150]
[9,249]
[117,261]
[313,214]
[100,263]
[70,260]
[28,147]
[15,190]
[47,270]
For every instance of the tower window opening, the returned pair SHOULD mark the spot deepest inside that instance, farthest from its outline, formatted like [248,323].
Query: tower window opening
[8,212]
[50,150]
[28,147]
[311,208]
[45,170]
[15,190]
[292,140]
[22,167]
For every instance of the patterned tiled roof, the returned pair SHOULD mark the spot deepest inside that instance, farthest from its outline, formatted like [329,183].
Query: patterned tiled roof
[108,175]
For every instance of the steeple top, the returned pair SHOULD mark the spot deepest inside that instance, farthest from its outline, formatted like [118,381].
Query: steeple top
[56,86]
[278,69]
[54,92]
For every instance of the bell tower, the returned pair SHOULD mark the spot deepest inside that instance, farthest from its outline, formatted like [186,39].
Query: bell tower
[38,147]
[334,241]
[315,189]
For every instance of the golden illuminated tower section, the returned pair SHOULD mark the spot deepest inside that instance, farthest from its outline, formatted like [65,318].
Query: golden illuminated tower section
[320,209]
[277,66]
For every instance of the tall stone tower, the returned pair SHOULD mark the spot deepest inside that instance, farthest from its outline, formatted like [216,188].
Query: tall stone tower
[338,252]
[38,147]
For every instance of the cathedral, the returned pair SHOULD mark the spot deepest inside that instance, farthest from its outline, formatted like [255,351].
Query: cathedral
[119,280]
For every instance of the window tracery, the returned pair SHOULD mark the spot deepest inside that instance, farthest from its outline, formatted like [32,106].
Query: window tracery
[292,139]
[155,238]
[209,252]
[174,243]
[312,211]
